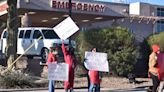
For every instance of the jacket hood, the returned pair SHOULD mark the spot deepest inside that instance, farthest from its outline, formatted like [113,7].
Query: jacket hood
[155,48]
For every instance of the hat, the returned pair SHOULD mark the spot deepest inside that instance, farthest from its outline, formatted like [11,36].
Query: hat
[54,45]
[155,48]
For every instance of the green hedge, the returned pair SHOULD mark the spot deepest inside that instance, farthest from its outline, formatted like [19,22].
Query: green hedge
[117,42]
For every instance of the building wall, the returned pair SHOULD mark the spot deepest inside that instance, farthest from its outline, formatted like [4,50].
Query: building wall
[140,30]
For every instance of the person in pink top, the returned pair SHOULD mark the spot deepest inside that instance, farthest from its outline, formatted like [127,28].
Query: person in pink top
[70,59]
[94,79]
[52,58]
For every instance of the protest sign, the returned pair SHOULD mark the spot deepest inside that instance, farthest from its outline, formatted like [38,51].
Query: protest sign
[66,28]
[96,61]
[58,71]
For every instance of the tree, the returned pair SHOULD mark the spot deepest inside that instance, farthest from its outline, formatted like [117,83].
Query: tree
[157,39]
[117,42]
[12,26]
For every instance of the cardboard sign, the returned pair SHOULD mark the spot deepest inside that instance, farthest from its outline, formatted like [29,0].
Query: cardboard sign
[96,61]
[66,28]
[58,71]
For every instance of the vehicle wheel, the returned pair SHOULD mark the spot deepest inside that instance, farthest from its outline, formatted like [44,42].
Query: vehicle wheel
[44,53]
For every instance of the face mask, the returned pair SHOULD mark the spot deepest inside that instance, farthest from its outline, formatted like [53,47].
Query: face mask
[55,52]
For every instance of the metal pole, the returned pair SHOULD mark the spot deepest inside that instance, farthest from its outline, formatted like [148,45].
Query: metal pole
[70,14]
[70,8]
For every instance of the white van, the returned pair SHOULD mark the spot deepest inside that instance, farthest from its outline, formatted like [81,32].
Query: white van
[28,35]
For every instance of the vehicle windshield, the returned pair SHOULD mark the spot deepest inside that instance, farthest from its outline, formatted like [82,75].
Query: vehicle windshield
[50,34]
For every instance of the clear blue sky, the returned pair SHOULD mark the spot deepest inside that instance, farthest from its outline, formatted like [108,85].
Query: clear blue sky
[158,2]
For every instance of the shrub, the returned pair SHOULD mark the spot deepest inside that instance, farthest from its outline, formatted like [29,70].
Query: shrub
[16,79]
[117,42]
[157,39]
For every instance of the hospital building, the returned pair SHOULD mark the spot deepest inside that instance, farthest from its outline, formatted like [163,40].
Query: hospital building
[142,19]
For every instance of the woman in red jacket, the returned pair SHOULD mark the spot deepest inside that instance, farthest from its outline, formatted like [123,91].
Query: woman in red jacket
[94,79]
[69,58]
[153,67]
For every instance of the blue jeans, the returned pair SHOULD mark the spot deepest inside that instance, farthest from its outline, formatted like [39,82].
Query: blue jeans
[94,87]
[51,86]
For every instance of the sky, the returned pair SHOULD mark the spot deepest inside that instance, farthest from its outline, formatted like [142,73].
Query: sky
[157,2]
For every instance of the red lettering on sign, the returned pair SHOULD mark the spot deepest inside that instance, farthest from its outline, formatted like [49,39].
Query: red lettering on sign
[54,4]
[61,5]
[85,7]
[91,7]
[67,5]
[97,8]
[73,6]
[80,6]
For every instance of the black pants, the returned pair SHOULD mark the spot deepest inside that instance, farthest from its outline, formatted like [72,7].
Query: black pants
[155,81]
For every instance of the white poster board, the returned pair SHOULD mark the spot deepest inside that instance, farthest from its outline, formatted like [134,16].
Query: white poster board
[66,28]
[96,61]
[58,71]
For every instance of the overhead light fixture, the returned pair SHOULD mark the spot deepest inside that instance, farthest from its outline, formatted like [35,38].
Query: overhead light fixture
[85,20]
[44,20]
[66,15]
[54,18]
[98,18]
[20,16]
[27,1]
[31,13]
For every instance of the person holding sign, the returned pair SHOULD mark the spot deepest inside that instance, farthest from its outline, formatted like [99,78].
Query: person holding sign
[70,59]
[52,58]
[94,79]
[153,67]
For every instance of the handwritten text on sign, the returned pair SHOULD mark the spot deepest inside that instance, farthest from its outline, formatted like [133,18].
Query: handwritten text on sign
[58,71]
[66,28]
[96,61]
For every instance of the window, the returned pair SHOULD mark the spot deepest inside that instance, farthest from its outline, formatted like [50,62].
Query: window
[50,34]
[27,34]
[160,27]
[21,33]
[5,34]
[160,11]
[160,23]
[37,34]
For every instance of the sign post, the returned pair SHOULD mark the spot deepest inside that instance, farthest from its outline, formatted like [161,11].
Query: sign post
[70,14]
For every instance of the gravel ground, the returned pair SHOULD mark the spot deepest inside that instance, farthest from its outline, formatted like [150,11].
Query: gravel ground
[116,82]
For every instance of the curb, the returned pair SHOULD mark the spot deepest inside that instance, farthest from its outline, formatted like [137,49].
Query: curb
[27,89]
[77,89]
